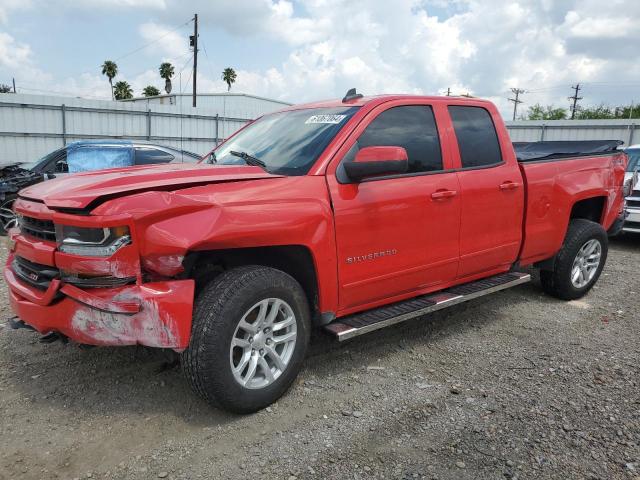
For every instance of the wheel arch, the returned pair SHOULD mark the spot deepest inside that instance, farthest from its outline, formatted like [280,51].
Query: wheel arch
[590,208]
[295,260]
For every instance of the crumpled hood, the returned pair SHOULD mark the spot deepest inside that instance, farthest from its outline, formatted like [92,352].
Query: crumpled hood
[82,189]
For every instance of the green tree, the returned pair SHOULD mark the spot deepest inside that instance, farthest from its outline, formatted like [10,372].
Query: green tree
[628,111]
[229,76]
[549,112]
[598,112]
[110,69]
[150,91]
[166,72]
[122,90]
[5,88]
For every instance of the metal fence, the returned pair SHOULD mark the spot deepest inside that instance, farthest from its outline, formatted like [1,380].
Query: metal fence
[539,130]
[32,126]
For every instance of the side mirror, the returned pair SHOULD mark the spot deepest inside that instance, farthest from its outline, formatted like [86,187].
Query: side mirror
[374,161]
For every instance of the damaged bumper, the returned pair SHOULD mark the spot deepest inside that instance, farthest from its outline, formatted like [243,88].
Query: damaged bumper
[156,314]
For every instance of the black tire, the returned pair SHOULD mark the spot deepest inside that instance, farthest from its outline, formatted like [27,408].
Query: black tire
[557,282]
[219,308]
[5,205]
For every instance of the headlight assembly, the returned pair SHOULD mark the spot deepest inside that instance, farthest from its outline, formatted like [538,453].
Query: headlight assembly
[91,242]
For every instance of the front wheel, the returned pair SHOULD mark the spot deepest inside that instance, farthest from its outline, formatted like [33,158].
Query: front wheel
[250,333]
[579,262]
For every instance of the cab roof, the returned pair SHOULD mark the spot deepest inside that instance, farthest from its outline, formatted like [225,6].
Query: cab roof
[378,99]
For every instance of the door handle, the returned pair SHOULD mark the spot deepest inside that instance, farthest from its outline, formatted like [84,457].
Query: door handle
[442,194]
[509,185]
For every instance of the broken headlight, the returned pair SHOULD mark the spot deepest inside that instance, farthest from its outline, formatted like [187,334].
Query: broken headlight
[91,242]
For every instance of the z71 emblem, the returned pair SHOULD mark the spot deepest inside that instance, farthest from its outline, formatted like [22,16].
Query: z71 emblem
[372,256]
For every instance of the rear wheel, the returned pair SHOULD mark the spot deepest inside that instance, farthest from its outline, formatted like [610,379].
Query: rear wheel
[579,262]
[249,337]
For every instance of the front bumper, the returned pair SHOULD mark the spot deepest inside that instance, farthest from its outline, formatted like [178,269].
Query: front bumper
[632,222]
[156,314]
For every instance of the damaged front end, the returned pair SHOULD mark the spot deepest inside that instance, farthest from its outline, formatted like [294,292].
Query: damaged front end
[67,276]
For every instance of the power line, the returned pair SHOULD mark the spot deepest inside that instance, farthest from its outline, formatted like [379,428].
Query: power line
[206,56]
[516,100]
[152,41]
[575,99]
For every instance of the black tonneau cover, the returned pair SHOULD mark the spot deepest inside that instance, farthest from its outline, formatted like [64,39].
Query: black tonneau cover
[529,151]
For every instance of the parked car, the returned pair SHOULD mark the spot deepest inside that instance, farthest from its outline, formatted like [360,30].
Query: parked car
[632,223]
[16,176]
[347,215]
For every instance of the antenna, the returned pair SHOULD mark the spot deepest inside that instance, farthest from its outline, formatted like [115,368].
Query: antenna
[516,101]
[351,95]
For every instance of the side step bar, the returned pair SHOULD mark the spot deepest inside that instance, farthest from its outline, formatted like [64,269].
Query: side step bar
[365,322]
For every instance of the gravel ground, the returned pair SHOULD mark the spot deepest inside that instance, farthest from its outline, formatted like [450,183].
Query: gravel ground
[514,385]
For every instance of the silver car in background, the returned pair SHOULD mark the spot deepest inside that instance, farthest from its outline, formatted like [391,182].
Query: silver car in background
[632,223]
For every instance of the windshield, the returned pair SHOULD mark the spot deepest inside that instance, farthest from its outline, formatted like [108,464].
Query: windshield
[634,155]
[42,162]
[287,143]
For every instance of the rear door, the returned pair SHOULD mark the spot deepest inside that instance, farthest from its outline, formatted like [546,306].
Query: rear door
[492,193]
[393,239]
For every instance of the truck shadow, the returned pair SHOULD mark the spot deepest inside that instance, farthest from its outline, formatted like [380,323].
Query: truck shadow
[326,353]
[132,380]
[629,242]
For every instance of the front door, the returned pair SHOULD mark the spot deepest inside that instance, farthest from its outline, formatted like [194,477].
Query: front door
[396,235]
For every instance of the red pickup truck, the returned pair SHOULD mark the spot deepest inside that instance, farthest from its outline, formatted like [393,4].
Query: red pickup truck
[346,215]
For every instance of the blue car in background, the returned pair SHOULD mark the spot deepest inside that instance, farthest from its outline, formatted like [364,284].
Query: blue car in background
[81,156]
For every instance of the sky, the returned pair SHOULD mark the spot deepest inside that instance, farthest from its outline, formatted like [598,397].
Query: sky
[308,50]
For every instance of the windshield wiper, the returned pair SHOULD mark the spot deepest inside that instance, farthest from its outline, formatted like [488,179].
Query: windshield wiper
[249,159]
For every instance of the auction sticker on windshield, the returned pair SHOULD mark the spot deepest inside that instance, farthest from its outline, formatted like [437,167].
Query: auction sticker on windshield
[326,119]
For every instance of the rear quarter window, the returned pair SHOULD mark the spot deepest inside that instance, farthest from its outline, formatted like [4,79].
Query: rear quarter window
[477,137]
[150,156]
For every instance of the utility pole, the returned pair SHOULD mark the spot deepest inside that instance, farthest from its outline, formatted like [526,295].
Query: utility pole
[575,99]
[14,85]
[448,91]
[194,44]
[516,101]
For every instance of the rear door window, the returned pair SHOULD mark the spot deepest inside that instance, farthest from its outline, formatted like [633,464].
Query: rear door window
[412,127]
[149,156]
[476,135]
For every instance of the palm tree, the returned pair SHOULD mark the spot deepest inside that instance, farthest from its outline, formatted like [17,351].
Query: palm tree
[122,90]
[166,72]
[110,69]
[229,76]
[150,91]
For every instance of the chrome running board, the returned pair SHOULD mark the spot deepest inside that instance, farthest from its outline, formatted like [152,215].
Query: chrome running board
[357,324]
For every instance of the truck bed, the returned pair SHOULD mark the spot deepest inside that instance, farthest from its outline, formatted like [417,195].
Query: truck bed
[556,186]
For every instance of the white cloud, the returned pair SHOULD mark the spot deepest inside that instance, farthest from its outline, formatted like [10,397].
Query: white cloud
[483,47]
[16,58]
[7,6]
[166,39]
